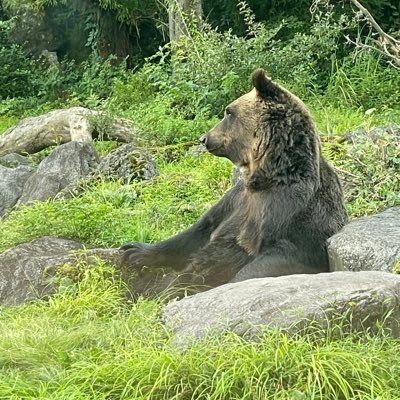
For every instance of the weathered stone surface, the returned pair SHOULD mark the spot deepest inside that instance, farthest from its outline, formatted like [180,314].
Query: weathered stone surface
[27,271]
[111,256]
[287,302]
[33,134]
[197,151]
[65,165]
[127,163]
[368,243]
[13,160]
[361,135]
[33,30]
[12,181]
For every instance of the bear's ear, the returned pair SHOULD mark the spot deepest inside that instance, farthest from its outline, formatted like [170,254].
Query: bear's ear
[264,85]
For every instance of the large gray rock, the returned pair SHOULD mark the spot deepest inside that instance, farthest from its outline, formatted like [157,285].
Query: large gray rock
[27,271]
[374,134]
[287,302]
[127,163]
[65,165]
[12,181]
[13,160]
[370,243]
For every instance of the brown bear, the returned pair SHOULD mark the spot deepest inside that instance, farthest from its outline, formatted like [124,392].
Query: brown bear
[276,220]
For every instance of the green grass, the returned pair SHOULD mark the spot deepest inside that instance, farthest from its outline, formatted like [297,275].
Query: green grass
[88,343]
[111,214]
[337,121]
[6,122]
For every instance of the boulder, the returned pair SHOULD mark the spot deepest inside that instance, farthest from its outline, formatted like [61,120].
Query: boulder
[33,134]
[127,163]
[13,160]
[291,303]
[12,181]
[65,165]
[367,244]
[33,29]
[27,271]
[374,134]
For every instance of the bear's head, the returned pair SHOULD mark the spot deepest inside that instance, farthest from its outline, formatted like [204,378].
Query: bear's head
[269,133]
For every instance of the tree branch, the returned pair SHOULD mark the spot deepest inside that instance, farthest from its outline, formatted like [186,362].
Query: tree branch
[371,20]
[386,45]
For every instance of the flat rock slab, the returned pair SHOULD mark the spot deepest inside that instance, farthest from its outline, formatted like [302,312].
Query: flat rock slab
[367,244]
[287,302]
[27,271]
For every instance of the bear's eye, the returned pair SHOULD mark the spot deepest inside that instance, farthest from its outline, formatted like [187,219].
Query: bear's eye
[228,111]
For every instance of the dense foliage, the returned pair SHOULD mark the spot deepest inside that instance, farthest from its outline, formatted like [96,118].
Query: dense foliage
[87,342]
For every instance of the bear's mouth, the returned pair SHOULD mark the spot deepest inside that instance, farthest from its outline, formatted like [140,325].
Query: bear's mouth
[218,151]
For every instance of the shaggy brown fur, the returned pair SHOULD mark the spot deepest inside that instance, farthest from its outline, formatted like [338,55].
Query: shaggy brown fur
[277,219]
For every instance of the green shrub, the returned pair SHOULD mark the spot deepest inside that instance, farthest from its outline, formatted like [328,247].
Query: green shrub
[179,92]
[17,71]
[31,86]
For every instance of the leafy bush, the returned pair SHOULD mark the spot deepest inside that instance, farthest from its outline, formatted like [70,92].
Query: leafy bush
[17,71]
[178,90]
[27,84]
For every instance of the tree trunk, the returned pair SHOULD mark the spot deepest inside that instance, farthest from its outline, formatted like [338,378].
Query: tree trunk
[113,37]
[33,134]
[178,13]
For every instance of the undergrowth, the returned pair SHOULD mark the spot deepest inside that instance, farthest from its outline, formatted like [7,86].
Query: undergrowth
[370,171]
[89,343]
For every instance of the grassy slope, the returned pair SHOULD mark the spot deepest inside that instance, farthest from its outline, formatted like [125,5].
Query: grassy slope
[6,122]
[111,214]
[87,343]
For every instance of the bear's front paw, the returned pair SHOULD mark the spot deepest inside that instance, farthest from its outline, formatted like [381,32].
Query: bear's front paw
[136,254]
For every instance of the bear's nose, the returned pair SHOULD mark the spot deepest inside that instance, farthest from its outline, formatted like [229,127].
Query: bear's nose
[203,140]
